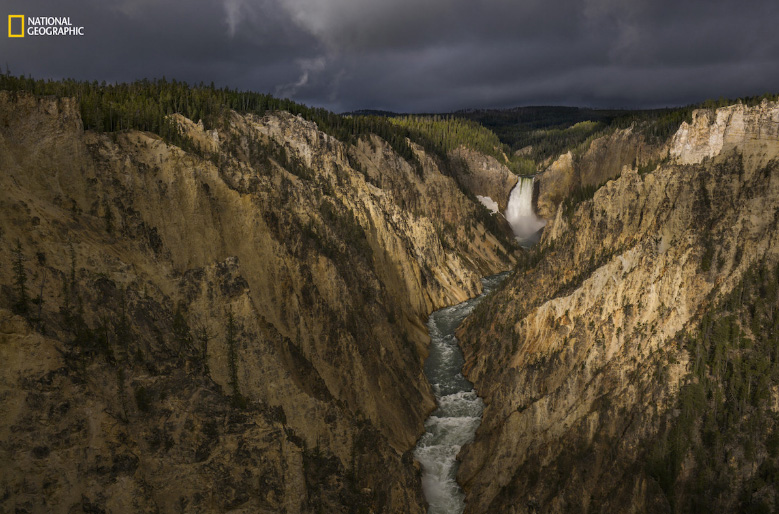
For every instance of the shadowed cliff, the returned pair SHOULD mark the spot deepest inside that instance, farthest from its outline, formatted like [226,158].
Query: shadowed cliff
[226,318]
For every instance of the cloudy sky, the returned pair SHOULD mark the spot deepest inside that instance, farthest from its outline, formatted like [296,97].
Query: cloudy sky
[419,55]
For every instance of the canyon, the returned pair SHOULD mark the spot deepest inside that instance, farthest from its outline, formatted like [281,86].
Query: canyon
[233,315]
[236,328]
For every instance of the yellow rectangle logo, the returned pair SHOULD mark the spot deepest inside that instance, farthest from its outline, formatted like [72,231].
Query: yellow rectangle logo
[10,25]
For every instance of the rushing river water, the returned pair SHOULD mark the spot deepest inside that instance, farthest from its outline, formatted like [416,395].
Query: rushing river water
[454,422]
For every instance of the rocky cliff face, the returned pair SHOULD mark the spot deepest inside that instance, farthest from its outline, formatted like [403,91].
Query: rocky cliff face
[582,356]
[483,175]
[602,160]
[557,182]
[236,325]
[751,130]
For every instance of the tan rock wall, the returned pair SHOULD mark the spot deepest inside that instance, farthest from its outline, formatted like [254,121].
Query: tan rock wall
[326,276]
[578,356]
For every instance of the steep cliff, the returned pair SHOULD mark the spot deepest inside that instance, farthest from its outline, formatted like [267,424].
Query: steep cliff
[592,358]
[602,159]
[233,324]
[750,130]
[483,175]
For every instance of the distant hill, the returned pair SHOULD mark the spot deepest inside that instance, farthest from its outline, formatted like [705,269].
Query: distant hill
[541,132]
[372,112]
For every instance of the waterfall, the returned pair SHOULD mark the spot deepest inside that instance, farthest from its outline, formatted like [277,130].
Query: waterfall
[519,212]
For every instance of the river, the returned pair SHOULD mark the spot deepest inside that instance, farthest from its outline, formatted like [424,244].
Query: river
[458,415]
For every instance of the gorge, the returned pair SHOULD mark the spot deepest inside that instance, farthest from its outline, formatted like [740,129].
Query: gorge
[218,301]
[233,321]
[453,424]
[600,361]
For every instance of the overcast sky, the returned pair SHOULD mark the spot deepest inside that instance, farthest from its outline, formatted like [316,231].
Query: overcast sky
[419,55]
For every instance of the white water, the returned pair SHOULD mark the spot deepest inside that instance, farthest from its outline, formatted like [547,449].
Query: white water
[458,415]
[489,203]
[520,215]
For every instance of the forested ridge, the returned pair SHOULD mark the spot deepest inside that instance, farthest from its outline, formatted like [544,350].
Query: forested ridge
[522,138]
[146,104]
[449,133]
[539,133]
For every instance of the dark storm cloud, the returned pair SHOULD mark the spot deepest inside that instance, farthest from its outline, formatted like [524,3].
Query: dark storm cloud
[412,55]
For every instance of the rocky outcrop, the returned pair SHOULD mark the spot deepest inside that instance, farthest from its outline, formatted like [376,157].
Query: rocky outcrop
[557,182]
[753,130]
[235,326]
[602,160]
[483,175]
[580,357]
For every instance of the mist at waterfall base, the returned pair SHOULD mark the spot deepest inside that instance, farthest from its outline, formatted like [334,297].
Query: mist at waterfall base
[458,415]
[519,213]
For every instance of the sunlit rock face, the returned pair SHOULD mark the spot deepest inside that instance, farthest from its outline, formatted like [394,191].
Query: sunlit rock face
[603,159]
[485,176]
[580,358]
[752,130]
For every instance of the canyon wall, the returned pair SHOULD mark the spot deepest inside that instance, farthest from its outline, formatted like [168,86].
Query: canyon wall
[483,175]
[589,352]
[235,323]
[601,160]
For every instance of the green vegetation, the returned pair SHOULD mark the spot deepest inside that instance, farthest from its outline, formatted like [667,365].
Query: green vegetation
[232,363]
[549,143]
[530,258]
[726,433]
[146,105]
[650,166]
[660,124]
[21,304]
[340,219]
[540,133]
[447,133]
[543,132]
[577,196]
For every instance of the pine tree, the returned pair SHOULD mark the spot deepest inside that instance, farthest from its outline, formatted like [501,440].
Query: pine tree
[204,336]
[21,306]
[232,362]
[181,333]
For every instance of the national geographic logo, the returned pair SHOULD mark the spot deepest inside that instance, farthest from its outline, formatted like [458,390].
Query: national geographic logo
[15,25]
[42,26]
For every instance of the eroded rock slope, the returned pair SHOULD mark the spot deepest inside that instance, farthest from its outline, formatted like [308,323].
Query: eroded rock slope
[231,325]
[591,350]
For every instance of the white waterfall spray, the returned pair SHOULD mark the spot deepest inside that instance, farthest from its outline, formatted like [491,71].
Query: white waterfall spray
[519,212]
